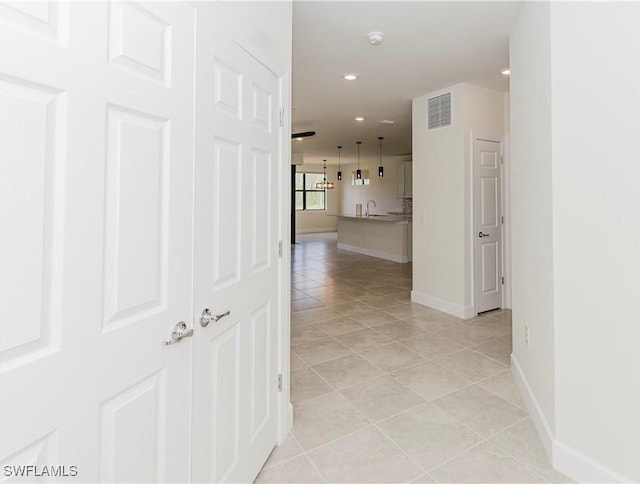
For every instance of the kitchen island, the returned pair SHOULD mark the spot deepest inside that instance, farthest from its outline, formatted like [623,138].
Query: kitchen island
[383,236]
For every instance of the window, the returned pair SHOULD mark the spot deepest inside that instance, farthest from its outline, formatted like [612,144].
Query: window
[307,196]
[362,181]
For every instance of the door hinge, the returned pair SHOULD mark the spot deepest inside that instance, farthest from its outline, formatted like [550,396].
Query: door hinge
[502,220]
[279,382]
[280,248]
[501,159]
[281,117]
[503,280]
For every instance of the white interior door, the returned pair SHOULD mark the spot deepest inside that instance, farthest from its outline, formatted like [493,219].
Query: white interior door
[235,361]
[487,225]
[96,123]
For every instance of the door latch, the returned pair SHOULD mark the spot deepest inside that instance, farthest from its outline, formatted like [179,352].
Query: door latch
[179,333]
[207,317]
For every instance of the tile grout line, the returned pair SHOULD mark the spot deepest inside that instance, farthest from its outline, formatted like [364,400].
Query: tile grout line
[337,439]
[506,451]
[290,434]
[458,373]
[393,375]
[483,441]
[422,469]
[401,307]
[500,396]
[313,464]
[468,427]
[389,344]
[489,357]
[372,423]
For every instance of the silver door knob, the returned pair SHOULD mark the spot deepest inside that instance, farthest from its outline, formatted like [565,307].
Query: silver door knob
[179,333]
[481,235]
[207,317]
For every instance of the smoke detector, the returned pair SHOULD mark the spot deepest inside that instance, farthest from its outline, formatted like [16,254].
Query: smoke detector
[375,38]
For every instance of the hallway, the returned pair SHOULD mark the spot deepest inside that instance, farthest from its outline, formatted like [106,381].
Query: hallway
[386,390]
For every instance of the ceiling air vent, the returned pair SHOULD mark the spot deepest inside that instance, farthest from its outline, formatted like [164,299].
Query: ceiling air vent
[439,109]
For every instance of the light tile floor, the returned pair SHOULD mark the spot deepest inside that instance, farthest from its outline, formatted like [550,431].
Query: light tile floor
[385,390]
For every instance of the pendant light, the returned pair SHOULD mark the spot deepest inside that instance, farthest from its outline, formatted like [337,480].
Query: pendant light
[324,184]
[359,171]
[339,169]
[380,167]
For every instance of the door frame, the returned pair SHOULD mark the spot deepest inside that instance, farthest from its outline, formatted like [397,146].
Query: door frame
[479,136]
[281,68]
[506,227]
[284,320]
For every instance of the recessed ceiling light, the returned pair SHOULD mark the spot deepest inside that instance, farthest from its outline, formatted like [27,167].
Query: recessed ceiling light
[350,77]
[359,118]
[387,121]
[506,72]
[299,139]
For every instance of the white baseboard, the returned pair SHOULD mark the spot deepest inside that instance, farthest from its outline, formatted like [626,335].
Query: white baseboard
[316,230]
[457,310]
[535,410]
[581,468]
[565,459]
[374,253]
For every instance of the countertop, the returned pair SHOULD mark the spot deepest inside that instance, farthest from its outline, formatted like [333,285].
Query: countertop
[398,219]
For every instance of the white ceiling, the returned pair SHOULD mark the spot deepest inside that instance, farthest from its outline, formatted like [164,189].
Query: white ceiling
[427,46]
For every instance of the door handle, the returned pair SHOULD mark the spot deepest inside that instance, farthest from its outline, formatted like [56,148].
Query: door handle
[207,317]
[481,235]
[179,333]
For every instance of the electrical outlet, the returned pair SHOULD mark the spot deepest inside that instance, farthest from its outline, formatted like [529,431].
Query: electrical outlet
[527,340]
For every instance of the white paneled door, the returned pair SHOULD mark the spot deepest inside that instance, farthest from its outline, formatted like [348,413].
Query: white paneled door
[96,118]
[96,113]
[487,234]
[97,264]
[235,361]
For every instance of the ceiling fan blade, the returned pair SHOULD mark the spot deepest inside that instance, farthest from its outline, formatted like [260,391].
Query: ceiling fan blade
[304,134]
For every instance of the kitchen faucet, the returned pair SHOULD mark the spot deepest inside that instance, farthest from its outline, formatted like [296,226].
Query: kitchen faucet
[368,202]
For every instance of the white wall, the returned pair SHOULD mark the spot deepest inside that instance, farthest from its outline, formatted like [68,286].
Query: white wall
[268,23]
[382,190]
[438,207]
[483,116]
[531,227]
[320,220]
[442,259]
[596,235]
[576,240]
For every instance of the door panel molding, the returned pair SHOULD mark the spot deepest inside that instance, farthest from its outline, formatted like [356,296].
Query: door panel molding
[130,420]
[236,97]
[98,166]
[105,114]
[487,219]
